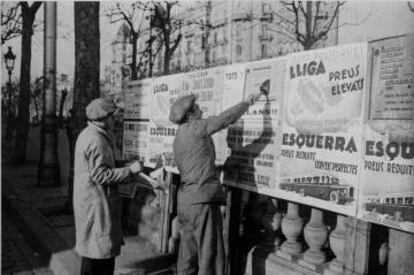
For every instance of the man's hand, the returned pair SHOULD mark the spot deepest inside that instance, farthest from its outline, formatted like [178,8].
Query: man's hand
[135,167]
[251,99]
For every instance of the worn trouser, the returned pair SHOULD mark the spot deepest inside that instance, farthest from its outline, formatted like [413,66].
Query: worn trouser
[201,248]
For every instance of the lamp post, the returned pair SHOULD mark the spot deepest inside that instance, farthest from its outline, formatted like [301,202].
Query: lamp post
[49,170]
[9,57]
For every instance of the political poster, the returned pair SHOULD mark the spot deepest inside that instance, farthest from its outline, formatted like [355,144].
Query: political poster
[164,91]
[206,85]
[136,99]
[135,140]
[160,147]
[387,192]
[254,141]
[161,132]
[231,92]
[321,144]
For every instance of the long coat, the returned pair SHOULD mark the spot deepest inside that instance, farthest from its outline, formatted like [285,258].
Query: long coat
[96,203]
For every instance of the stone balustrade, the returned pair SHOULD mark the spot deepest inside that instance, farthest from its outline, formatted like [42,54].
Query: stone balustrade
[309,246]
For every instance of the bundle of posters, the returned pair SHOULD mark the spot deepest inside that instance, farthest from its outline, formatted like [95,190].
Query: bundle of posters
[321,144]
[387,191]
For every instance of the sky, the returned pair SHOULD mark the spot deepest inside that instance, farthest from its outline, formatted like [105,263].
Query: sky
[362,20]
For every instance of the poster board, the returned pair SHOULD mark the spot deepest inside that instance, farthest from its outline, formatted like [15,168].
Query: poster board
[387,192]
[322,128]
[254,140]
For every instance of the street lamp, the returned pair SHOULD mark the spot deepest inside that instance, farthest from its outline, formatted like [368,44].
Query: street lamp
[9,57]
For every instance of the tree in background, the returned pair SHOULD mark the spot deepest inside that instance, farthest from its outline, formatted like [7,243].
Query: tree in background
[133,14]
[86,83]
[167,27]
[308,22]
[28,14]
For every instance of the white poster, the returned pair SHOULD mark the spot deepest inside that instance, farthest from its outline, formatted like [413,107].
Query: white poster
[254,141]
[232,92]
[387,193]
[322,128]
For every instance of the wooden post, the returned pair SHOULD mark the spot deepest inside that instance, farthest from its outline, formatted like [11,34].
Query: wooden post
[166,218]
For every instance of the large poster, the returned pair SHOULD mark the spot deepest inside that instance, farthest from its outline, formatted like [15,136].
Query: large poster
[231,92]
[254,139]
[387,195]
[161,132]
[136,99]
[322,127]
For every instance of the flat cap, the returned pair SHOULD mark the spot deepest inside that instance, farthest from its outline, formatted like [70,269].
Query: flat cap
[100,108]
[180,108]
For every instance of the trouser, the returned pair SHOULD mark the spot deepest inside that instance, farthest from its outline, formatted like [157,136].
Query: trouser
[201,248]
[97,266]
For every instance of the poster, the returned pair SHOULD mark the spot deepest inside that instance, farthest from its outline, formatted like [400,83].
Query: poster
[164,91]
[206,85]
[136,99]
[135,140]
[231,93]
[160,147]
[254,141]
[387,193]
[321,144]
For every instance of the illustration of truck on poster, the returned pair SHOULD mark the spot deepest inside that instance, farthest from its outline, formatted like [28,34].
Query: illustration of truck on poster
[388,176]
[321,144]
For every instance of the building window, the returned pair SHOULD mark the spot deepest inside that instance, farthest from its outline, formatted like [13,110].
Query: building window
[214,56]
[215,38]
[264,50]
[238,30]
[238,50]
[188,47]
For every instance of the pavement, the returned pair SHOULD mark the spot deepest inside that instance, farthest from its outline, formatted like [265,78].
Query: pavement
[40,215]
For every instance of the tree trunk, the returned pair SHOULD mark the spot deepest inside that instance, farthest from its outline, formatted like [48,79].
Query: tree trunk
[86,88]
[167,54]
[134,73]
[22,123]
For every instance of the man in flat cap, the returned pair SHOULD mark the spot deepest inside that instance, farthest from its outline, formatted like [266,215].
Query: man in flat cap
[200,194]
[97,205]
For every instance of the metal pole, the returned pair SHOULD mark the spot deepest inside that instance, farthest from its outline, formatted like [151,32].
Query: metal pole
[49,173]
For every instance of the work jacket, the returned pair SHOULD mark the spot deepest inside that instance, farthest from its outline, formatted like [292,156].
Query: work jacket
[96,203]
[195,156]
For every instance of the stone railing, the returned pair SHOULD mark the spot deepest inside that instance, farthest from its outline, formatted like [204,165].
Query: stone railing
[291,243]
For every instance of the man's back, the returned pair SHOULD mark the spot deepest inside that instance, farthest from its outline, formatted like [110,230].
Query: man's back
[195,156]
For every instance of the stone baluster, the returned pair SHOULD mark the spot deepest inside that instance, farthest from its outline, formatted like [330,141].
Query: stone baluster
[271,221]
[337,241]
[292,228]
[316,236]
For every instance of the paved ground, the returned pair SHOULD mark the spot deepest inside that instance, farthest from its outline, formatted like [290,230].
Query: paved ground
[20,256]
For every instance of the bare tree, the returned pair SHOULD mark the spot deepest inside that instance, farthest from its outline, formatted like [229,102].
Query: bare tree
[28,14]
[163,21]
[307,22]
[133,15]
[86,84]
[12,21]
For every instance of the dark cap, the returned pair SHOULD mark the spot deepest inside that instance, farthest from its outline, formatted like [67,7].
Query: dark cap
[100,108]
[180,108]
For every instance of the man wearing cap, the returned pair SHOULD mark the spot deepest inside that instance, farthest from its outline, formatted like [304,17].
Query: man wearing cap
[97,205]
[200,194]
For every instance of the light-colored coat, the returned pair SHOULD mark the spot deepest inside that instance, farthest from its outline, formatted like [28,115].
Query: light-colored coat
[96,203]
